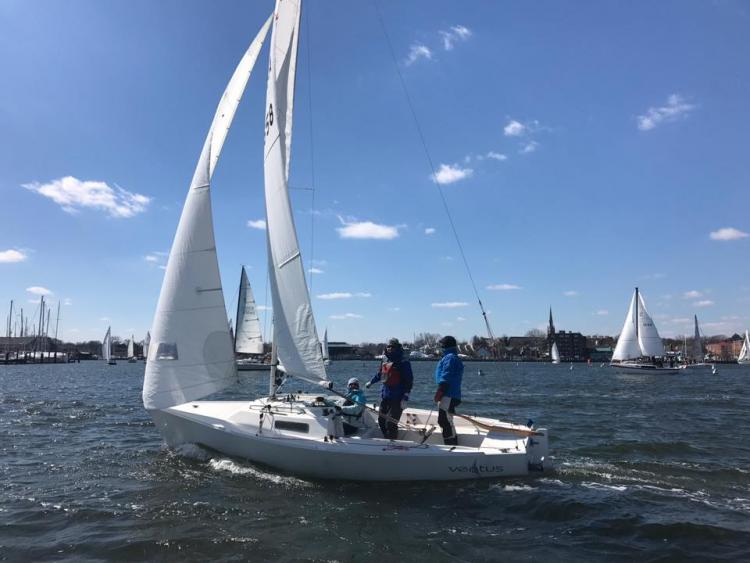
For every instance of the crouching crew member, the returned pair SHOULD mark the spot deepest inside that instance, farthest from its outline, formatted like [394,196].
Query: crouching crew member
[354,404]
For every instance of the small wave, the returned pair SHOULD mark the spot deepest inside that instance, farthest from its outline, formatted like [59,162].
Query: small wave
[235,468]
[192,451]
[512,488]
[604,486]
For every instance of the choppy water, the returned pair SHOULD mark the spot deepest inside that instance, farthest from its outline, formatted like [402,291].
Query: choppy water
[647,467]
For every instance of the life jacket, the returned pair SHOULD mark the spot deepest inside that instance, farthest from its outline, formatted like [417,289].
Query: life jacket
[390,375]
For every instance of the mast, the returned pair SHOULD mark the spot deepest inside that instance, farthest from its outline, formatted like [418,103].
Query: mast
[636,317]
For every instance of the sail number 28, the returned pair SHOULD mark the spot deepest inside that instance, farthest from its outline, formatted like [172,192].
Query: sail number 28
[269,118]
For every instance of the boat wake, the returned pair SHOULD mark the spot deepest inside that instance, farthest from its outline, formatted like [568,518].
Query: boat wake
[231,466]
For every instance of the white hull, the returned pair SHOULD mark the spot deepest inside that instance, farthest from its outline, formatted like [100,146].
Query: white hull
[248,430]
[743,362]
[646,369]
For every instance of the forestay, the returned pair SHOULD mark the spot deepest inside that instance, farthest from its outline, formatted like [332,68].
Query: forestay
[627,344]
[248,339]
[191,355]
[295,334]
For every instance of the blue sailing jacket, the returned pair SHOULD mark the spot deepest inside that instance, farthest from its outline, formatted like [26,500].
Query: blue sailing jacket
[450,371]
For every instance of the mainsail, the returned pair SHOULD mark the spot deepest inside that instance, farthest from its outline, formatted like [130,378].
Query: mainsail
[192,354]
[295,336]
[247,338]
[107,345]
[131,347]
[648,337]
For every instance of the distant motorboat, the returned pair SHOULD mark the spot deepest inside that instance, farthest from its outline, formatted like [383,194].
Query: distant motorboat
[639,340]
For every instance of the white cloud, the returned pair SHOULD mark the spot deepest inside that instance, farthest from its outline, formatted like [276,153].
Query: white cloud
[571,293]
[460,319]
[503,287]
[257,224]
[104,319]
[529,147]
[10,256]
[728,233]
[316,271]
[456,33]
[335,295]
[692,294]
[366,230]
[417,51]
[496,156]
[675,109]
[73,194]
[394,309]
[38,290]
[704,303]
[602,312]
[346,316]
[151,258]
[449,305]
[449,173]
[363,294]
[429,231]
[514,128]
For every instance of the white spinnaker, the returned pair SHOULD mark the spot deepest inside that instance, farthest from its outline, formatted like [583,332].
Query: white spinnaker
[146,344]
[248,339]
[627,344]
[192,354]
[107,345]
[295,335]
[131,347]
[648,337]
[697,345]
[555,353]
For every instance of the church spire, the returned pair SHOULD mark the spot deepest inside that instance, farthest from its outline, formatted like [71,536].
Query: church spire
[551,327]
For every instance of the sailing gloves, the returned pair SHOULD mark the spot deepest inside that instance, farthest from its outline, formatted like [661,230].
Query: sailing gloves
[367,385]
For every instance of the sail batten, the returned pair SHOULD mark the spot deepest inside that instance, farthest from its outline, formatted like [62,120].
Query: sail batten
[295,333]
[192,352]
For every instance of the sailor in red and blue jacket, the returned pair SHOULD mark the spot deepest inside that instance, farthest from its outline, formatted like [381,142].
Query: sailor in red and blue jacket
[397,378]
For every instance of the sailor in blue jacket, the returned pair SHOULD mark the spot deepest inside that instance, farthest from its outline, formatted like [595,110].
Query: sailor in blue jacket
[397,379]
[448,375]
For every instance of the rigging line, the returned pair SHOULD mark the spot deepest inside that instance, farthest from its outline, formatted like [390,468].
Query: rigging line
[432,167]
[312,149]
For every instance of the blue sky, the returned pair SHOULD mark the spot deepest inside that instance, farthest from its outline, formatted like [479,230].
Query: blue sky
[583,149]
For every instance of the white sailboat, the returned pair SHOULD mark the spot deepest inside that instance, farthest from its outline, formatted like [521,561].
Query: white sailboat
[744,357]
[131,350]
[324,349]
[146,344]
[247,337]
[555,354]
[299,433]
[639,348]
[107,348]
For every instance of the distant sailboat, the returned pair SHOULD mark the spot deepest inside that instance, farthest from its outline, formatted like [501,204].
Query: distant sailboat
[107,348]
[324,348]
[555,354]
[247,335]
[146,344]
[131,350]
[744,357]
[639,342]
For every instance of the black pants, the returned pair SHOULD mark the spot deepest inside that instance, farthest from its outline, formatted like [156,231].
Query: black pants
[445,420]
[391,408]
